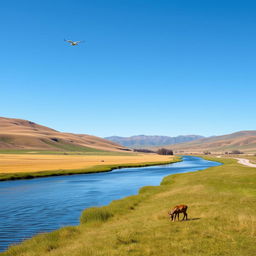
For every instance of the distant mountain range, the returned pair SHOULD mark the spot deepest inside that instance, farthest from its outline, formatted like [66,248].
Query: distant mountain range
[244,141]
[141,141]
[17,134]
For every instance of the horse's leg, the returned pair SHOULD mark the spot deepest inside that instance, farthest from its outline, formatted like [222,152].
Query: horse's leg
[178,216]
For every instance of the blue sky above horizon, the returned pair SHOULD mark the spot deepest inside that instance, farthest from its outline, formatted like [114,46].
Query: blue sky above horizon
[146,67]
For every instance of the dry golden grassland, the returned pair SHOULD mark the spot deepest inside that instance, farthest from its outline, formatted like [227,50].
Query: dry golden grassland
[10,163]
[16,166]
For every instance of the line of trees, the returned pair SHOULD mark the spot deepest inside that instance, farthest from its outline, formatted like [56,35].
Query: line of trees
[234,152]
[164,151]
[142,150]
[161,151]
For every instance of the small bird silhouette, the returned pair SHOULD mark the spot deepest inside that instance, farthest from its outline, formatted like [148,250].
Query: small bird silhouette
[73,43]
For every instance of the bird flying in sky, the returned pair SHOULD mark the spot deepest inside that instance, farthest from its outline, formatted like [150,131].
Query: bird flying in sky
[73,43]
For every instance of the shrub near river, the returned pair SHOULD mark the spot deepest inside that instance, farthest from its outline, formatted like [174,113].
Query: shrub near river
[222,220]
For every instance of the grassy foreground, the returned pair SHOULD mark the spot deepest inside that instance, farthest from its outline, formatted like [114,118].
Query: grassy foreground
[222,220]
[23,166]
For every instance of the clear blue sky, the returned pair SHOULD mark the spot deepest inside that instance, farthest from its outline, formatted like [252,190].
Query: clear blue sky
[147,67]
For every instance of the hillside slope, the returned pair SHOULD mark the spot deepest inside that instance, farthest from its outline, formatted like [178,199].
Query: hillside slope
[243,140]
[149,141]
[22,134]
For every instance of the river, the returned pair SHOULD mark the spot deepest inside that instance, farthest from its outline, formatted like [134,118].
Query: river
[28,207]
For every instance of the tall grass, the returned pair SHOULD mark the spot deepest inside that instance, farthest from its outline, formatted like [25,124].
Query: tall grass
[98,214]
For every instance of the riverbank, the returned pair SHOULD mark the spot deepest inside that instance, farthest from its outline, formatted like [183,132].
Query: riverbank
[222,218]
[13,167]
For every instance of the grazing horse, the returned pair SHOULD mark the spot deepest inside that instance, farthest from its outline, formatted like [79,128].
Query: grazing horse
[177,210]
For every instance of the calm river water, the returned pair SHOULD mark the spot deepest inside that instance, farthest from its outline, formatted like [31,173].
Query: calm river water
[28,207]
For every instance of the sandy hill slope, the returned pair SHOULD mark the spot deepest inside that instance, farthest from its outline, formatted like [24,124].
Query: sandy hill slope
[243,140]
[140,141]
[23,134]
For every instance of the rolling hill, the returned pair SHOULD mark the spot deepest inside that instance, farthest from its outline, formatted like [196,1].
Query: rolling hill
[140,141]
[18,134]
[244,141]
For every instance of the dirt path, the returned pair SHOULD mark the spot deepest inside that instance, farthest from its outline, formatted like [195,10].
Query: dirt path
[245,162]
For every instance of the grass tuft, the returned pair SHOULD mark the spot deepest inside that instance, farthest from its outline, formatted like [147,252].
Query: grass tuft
[98,214]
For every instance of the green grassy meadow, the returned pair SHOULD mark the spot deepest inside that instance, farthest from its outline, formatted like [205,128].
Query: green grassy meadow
[221,210]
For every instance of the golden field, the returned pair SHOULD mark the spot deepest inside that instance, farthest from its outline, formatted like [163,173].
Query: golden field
[17,163]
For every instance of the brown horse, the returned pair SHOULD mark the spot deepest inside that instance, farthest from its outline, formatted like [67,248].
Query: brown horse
[177,210]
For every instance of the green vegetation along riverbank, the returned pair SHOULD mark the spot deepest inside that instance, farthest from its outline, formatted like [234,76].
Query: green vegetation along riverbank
[222,220]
